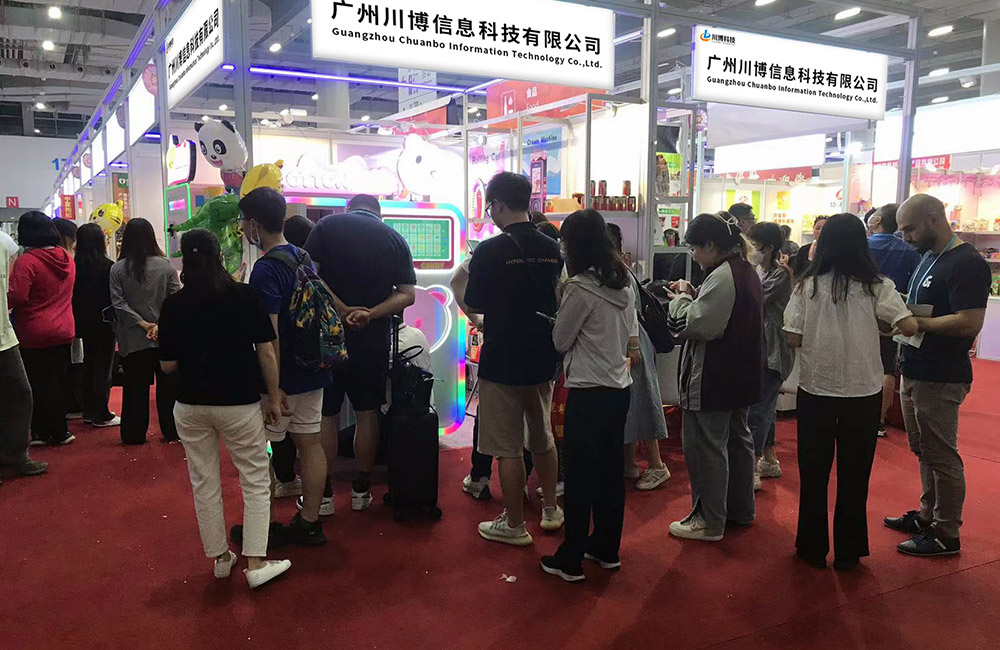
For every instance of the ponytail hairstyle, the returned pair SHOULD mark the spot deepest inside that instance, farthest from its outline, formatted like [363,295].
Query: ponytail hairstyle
[203,272]
[588,245]
[720,229]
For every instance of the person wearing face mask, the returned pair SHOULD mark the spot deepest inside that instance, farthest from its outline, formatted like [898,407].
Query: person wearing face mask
[776,289]
[721,372]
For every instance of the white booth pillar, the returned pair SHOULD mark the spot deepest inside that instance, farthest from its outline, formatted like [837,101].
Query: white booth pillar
[991,54]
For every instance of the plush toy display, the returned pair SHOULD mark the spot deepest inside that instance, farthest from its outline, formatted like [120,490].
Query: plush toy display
[221,215]
[263,175]
[224,149]
[109,217]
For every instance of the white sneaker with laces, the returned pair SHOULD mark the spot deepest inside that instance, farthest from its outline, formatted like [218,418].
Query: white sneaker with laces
[552,519]
[326,506]
[560,490]
[271,570]
[224,566]
[499,530]
[291,488]
[653,478]
[694,527]
[757,485]
[477,487]
[769,470]
[360,500]
[113,422]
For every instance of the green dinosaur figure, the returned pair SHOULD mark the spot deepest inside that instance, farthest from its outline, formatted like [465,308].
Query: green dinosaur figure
[221,215]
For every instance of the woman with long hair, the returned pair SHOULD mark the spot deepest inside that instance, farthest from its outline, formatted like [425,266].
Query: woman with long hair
[215,336]
[141,280]
[91,299]
[41,296]
[765,241]
[720,377]
[831,318]
[597,330]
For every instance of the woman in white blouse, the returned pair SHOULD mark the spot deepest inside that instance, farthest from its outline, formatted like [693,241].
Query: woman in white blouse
[832,319]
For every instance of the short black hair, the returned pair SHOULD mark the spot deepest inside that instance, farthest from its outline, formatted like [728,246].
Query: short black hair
[887,213]
[786,231]
[35,230]
[266,206]
[768,234]
[365,202]
[514,190]
[297,229]
[741,211]
[66,229]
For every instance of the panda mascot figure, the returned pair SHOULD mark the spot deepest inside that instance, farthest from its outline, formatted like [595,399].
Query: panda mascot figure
[225,150]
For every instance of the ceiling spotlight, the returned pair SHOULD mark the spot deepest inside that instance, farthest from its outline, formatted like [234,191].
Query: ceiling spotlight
[309,21]
[39,130]
[669,31]
[223,107]
[473,109]
[848,13]
[55,13]
[298,112]
[274,47]
[941,31]
[283,112]
[938,72]
[205,118]
[829,139]
[967,82]
[48,46]
[315,97]
[762,3]
[939,100]
[365,118]
[40,106]
[674,91]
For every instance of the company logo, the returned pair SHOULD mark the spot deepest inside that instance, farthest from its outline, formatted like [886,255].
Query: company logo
[708,37]
[705,36]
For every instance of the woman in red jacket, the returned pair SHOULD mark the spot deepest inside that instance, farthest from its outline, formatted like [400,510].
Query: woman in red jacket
[40,297]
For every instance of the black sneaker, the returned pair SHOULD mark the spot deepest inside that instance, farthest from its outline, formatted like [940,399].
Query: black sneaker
[845,564]
[930,544]
[32,467]
[303,533]
[553,565]
[276,537]
[814,562]
[909,523]
[607,563]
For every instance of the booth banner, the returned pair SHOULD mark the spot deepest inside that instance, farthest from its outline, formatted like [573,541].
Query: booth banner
[734,67]
[789,175]
[535,40]
[512,97]
[940,162]
[119,192]
[540,150]
[195,48]
[68,208]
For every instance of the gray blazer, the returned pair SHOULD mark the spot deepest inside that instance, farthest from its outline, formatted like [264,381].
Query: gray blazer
[135,301]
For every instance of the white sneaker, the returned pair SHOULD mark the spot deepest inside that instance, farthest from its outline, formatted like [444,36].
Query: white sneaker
[479,489]
[552,519]
[113,422]
[769,470]
[694,527]
[757,485]
[560,490]
[326,507]
[271,570]
[632,472]
[291,488]
[360,500]
[653,478]
[499,531]
[224,566]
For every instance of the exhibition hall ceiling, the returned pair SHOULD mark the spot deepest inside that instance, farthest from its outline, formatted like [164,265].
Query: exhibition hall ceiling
[62,54]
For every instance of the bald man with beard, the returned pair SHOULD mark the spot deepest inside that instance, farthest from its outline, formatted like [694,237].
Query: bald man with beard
[954,279]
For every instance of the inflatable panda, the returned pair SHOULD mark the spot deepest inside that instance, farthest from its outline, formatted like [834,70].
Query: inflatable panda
[224,149]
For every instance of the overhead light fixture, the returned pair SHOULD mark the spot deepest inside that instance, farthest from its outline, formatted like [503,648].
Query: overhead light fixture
[39,106]
[674,91]
[315,97]
[473,109]
[205,118]
[967,82]
[938,72]
[274,47]
[298,112]
[48,46]
[55,13]
[763,3]
[283,112]
[939,100]
[370,81]
[829,139]
[38,130]
[223,107]
[228,67]
[365,118]
[941,31]
[848,13]
[669,31]
[309,21]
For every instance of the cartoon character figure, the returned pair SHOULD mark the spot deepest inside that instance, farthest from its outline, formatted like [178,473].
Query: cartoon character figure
[430,314]
[263,175]
[109,217]
[224,149]
[221,215]
[429,171]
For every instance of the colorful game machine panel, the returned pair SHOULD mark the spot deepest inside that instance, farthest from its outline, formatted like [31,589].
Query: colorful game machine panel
[177,200]
[436,234]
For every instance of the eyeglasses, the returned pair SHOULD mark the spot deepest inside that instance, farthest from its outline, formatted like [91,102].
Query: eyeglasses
[489,209]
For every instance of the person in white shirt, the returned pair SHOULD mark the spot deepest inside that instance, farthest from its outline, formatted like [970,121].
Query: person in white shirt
[831,317]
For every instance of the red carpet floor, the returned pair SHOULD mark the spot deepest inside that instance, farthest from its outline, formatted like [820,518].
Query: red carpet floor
[103,552]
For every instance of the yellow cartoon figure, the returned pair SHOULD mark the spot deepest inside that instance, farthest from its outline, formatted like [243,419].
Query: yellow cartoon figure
[264,175]
[109,217]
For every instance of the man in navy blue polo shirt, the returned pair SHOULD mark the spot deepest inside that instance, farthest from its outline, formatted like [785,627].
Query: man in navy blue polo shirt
[896,260]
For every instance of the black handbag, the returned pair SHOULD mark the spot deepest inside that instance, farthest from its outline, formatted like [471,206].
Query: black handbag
[653,319]
[410,384]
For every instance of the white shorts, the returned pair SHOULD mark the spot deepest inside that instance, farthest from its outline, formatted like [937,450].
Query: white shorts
[307,412]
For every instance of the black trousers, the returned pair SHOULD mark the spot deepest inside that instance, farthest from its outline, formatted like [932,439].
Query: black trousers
[283,459]
[847,426]
[15,409]
[139,369]
[595,472]
[482,464]
[46,370]
[94,388]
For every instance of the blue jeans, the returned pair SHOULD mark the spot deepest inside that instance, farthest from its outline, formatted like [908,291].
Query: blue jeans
[761,416]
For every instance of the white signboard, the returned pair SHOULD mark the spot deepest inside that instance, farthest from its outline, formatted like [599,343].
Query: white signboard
[942,129]
[413,97]
[195,48]
[532,40]
[115,133]
[97,153]
[142,106]
[752,70]
[803,151]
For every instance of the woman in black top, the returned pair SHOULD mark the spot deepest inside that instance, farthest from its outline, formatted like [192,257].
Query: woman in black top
[212,335]
[91,297]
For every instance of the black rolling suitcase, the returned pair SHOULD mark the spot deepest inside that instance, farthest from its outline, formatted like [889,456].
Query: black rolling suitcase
[413,438]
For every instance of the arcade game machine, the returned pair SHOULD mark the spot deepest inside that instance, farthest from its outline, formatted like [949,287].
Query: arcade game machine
[436,234]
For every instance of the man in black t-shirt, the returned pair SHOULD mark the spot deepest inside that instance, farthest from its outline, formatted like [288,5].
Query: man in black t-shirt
[368,266]
[954,280]
[512,279]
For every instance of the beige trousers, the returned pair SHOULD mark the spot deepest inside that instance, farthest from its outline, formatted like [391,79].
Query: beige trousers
[242,430]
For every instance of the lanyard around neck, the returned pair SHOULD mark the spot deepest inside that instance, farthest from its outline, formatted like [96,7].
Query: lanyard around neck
[911,295]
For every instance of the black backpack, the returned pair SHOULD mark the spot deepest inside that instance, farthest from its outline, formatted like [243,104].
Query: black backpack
[653,319]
